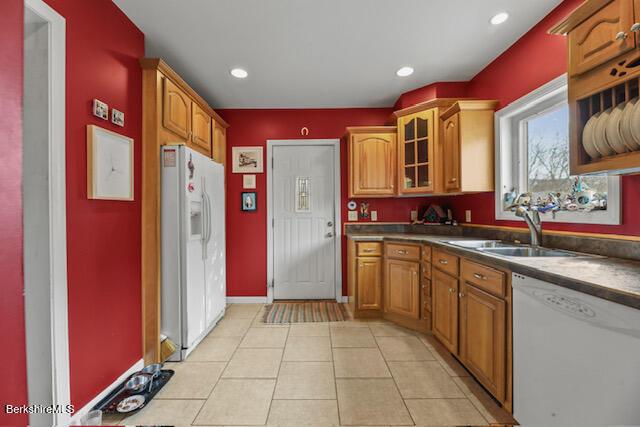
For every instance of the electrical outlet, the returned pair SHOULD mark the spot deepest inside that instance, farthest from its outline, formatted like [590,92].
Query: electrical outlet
[353,215]
[414,216]
[467,216]
[374,215]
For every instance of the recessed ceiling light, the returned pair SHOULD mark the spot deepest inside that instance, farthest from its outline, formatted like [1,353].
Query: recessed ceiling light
[239,73]
[499,18]
[404,71]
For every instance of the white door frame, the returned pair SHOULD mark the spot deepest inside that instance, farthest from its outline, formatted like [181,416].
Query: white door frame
[335,143]
[56,378]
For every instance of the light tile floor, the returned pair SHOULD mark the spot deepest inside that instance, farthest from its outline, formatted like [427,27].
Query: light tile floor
[317,374]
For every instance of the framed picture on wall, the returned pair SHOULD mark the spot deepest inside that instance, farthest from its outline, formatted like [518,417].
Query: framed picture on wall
[249,201]
[109,165]
[246,159]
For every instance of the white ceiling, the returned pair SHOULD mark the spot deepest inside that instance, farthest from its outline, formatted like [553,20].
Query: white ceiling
[326,53]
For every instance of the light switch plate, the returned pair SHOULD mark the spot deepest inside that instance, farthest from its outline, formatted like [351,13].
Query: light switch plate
[414,215]
[374,215]
[467,216]
[353,215]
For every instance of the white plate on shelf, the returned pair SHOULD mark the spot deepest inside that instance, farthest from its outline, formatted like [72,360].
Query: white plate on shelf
[599,134]
[625,125]
[634,124]
[612,130]
[587,137]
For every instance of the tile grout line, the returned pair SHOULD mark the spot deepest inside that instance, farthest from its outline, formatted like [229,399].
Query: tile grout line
[333,368]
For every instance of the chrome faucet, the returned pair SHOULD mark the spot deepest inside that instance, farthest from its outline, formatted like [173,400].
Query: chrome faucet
[532,218]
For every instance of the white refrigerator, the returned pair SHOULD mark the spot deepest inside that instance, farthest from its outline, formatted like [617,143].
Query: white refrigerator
[193,297]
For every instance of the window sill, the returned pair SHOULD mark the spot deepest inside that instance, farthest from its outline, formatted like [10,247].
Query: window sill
[609,217]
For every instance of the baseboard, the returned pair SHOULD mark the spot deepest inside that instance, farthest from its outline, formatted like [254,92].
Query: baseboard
[246,300]
[77,415]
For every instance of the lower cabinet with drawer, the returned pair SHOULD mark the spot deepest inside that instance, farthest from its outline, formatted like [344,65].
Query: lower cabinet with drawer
[364,271]
[472,317]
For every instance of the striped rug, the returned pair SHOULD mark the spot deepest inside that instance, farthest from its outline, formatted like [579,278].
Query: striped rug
[302,312]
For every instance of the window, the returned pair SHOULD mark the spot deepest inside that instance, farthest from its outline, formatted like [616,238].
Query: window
[533,163]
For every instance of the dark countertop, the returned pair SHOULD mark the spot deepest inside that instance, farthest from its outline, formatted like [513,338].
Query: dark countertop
[613,279]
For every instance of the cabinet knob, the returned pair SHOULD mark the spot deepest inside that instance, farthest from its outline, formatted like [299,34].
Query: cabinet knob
[635,28]
[451,290]
[401,252]
[621,36]
[443,261]
[461,295]
[479,276]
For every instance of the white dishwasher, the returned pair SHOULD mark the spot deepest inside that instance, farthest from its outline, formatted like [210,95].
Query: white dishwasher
[576,358]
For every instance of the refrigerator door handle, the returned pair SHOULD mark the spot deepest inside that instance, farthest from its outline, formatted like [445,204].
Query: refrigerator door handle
[209,218]
[205,225]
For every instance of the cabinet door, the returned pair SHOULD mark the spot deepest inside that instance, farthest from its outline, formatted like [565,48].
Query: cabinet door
[602,37]
[176,111]
[444,303]
[200,128]
[219,143]
[373,165]
[483,338]
[402,288]
[369,279]
[415,156]
[452,153]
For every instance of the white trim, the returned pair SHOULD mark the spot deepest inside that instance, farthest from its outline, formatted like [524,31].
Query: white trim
[246,300]
[337,215]
[58,348]
[75,420]
[507,135]
[344,300]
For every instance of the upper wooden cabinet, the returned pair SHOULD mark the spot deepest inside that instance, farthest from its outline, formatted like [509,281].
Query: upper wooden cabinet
[372,161]
[201,128]
[604,71]
[176,110]
[416,149]
[219,142]
[468,146]
[603,36]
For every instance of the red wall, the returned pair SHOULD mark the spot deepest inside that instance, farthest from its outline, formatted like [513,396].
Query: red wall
[434,90]
[13,367]
[103,237]
[247,232]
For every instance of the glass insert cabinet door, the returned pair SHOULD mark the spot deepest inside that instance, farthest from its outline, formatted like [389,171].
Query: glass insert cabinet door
[415,157]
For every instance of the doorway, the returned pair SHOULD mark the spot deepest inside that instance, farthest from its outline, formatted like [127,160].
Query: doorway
[44,212]
[303,220]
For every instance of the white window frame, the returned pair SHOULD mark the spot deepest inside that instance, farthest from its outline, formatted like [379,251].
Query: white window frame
[510,141]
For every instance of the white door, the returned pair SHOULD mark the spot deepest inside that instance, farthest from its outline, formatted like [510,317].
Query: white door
[303,222]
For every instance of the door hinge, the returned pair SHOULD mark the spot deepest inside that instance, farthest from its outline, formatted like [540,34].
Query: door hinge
[273,223]
[272,163]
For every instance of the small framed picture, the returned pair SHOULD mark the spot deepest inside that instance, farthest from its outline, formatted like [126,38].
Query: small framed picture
[248,182]
[247,159]
[249,201]
[117,117]
[100,109]
[109,165]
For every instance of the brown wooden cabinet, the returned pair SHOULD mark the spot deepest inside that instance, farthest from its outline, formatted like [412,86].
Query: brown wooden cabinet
[468,146]
[603,36]
[416,152]
[219,153]
[201,129]
[483,337]
[176,112]
[172,113]
[364,278]
[372,161]
[369,279]
[604,72]
[402,288]
[445,309]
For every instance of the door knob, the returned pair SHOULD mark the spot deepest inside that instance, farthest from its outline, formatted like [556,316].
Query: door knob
[330,224]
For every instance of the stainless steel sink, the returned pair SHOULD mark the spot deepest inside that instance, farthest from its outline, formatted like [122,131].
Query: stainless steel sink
[526,251]
[479,244]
